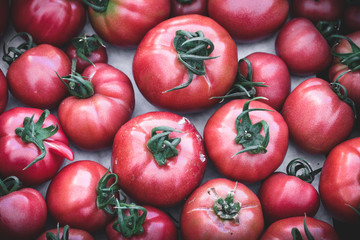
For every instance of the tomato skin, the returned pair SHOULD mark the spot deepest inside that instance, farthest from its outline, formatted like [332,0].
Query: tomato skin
[125,22]
[157,226]
[249,20]
[74,234]
[3,92]
[16,155]
[351,18]
[92,123]
[220,133]
[199,220]
[157,69]
[195,7]
[317,118]
[302,47]
[339,181]
[71,196]
[22,214]
[281,229]
[4,16]
[141,177]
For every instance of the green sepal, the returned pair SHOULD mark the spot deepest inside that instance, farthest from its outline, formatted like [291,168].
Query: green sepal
[14,53]
[97,5]
[85,45]
[65,235]
[9,184]
[297,235]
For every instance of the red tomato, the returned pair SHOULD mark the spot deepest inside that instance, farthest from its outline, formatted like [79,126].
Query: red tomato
[220,132]
[249,20]
[141,176]
[4,16]
[339,185]
[16,154]
[48,21]
[74,234]
[302,47]
[281,230]
[157,226]
[211,212]
[32,77]
[125,22]
[3,92]
[92,122]
[184,7]
[157,68]
[351,18]
[317,118]
[71,196]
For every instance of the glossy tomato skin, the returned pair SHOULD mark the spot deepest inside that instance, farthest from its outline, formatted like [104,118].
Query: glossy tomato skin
[3,92]
[157,226]
[141,177]
[92,123]
[15,155]
[273,72]
[32,77]
[22,214]
[284,196]
[195,7]
[199,220]
[317,119]
[71,196]
[157,69]
[339,181]
[281,229]
[249,20]
[125,22]
[65,18]
[302,47]
[4,16]
[74,234]
[220,133]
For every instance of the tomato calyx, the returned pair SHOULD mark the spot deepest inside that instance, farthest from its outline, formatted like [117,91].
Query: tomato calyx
[185,1]
[32,132]
[97,5]
[328,29]
[14,53]
[297,235]
[106,199]
[85,45]
[65,235]
[192,48]
[248,134]
[351,60]
[9,185]
[300,168]
[342,93]
[161,145]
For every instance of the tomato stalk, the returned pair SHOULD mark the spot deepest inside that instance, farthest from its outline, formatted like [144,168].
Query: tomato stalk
[297,235]
[301,165]
[65,235]
[328,29]
[106,194]
[85,45]
[9,184]
[351,60]
[97,5]
[15,52]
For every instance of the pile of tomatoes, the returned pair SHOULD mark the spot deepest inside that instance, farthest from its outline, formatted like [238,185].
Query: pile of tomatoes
[180,119]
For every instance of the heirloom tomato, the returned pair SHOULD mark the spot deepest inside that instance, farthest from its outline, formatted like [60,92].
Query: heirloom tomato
[245,144]
[222,209]
[69,233]
[125,22]
[249,20]
[317,118]
[32,145]
[4,16]
[3,92]
[184,7]
[185,61]
[159,158]
[102,102]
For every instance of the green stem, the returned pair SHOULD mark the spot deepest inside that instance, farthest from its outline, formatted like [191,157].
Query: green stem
[185,1]
[9,184]
[97,5]
[85,45]
[328,29]
[15,52]
[351,60]
[297,235]
[65,235]
[300,168]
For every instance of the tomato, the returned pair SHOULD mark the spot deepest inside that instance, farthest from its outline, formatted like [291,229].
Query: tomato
[183,7]
[92,121]
[339,184]
[281,229]
[156,226]
[317,118]
[74,234]
[249,20]
[164,79]
[3,92]
[226,136]
[222,209]
[22,141]
[302,47]
[4,16]
[65,18]
[125,22]
[351,18]
[162,176]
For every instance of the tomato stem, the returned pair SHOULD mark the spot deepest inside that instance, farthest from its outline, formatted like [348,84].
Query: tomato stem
[351,60]
[9,184]
[14,53]
[97,5]
[297,235]
[328,29]
[65,235]
[298,164]
[85,45]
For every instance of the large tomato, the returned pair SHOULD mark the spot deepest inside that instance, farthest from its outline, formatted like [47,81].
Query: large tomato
[249,20]
[125,22]
[26,135]
[317,118]
[222,209]
[73,234]
[230,131]
[159,158]
[92,120]
[164,62]
[3,92]
[339,185]
[4,16]
[183,7]
[302,47]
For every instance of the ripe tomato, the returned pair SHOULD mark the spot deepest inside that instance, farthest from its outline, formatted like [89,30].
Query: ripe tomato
[317,118]
[184,7]
[222,209]
[125,22]
[92,121]
[339,185]
[144,173]
[157,67]
[351,18]
[249,20]
[73,234]
[223,130]
[4,16]
[3,92]
[302,47]
[18,148]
